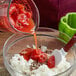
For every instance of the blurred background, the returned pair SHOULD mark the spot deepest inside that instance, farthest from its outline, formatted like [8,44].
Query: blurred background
[52,10]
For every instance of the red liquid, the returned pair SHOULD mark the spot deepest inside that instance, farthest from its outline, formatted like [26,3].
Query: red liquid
[35,38]
[4,23]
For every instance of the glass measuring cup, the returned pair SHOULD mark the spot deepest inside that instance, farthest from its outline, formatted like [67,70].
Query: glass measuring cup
[5,24]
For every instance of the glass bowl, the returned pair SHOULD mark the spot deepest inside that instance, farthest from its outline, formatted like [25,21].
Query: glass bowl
[46,37]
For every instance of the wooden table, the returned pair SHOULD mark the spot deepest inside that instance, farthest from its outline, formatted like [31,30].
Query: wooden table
[3,38]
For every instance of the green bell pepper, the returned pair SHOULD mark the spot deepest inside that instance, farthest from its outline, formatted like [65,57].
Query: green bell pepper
[67,26]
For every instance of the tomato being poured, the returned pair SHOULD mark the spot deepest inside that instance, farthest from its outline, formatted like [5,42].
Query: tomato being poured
[20,18]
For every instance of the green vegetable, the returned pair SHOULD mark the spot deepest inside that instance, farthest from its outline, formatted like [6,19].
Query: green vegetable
[67,26]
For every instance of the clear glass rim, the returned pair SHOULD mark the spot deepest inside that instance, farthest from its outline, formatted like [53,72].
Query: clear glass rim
[36,26]
[26,37]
